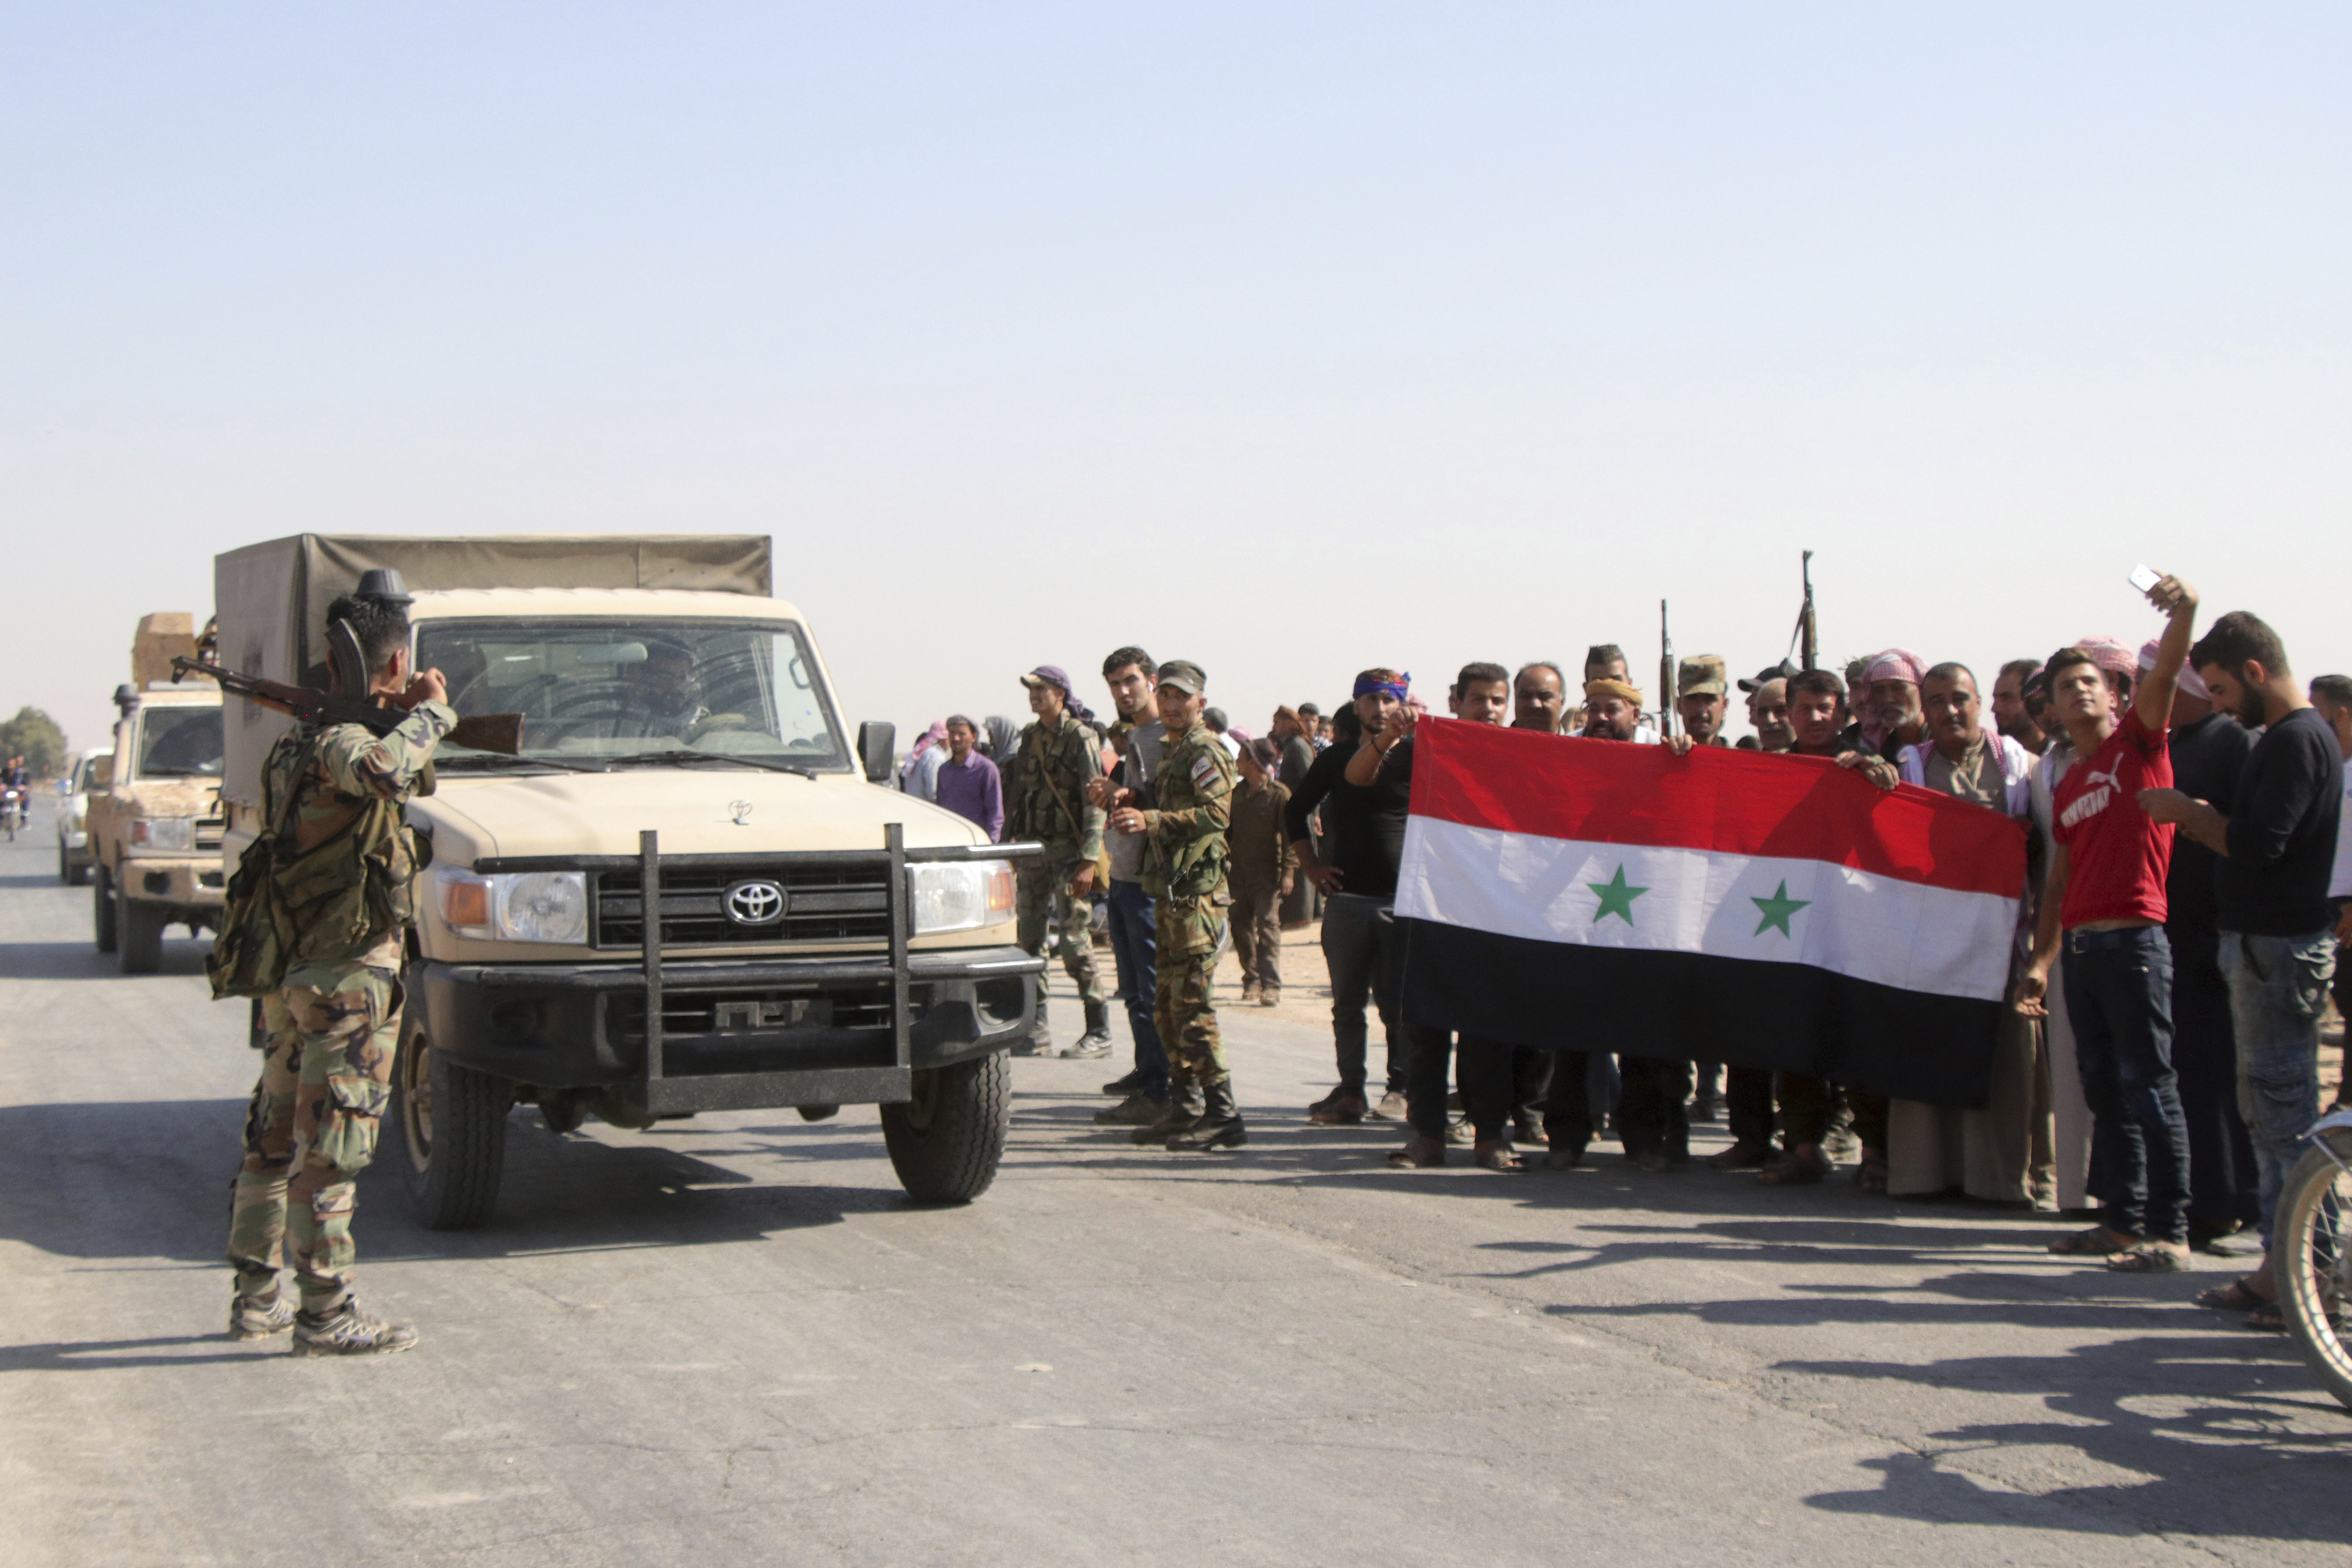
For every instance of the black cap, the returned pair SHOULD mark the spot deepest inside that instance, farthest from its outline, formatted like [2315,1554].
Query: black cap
[1765,677]
[384,585]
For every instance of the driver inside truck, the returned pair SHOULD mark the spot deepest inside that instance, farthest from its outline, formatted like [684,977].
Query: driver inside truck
[664,697]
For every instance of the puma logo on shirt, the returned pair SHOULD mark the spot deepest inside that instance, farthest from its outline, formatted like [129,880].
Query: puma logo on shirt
[2098,787]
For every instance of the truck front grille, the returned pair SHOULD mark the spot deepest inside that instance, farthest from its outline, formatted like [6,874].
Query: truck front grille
[820,904]
[694,1014]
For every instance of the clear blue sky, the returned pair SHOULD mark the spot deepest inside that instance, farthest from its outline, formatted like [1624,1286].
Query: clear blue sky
[1286,339]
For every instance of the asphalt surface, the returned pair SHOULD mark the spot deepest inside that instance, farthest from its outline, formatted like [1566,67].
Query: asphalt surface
[733,1342]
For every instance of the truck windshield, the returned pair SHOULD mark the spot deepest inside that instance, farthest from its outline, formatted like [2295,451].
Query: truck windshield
[180,744]
[616,689]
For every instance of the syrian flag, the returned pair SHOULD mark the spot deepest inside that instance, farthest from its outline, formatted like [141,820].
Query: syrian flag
[1766,912]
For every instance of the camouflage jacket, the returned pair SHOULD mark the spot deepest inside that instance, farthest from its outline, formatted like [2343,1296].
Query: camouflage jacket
[1194,792]
[346,860]
[1047,783]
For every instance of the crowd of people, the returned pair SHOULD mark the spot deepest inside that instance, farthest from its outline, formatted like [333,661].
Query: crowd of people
[2189,887]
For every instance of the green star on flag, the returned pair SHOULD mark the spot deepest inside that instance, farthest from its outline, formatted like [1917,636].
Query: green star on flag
[1616,898]
[1777,909]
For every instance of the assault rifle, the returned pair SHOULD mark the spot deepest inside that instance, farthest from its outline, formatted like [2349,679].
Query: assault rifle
[1665,677]
[501,732]
[1806,634]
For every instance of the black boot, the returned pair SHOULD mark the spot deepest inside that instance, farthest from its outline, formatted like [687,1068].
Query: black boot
[1220,1126]
[1183,1110]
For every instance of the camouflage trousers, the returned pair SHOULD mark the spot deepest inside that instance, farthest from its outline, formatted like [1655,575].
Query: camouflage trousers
[1185,1010]
[1044,886]
[326,1076]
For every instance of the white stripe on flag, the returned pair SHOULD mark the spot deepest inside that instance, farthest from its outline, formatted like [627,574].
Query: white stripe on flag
[1904,934]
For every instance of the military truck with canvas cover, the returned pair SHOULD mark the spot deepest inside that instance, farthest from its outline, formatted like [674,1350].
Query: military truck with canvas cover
[686,892]
[154,820]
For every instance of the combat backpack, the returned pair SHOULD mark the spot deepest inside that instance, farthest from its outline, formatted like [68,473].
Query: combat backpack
[250,947]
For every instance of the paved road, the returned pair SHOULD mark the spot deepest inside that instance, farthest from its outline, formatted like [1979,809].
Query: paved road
[731,1344]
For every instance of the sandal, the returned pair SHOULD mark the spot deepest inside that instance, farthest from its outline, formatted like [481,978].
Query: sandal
[2268,1317]
[1418,1153]
[2096,1242]
[2149,1257]
[1498,1157]
[2234,1296]
[1794,1171]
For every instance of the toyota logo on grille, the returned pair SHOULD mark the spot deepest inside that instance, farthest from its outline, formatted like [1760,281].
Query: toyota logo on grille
[755,903]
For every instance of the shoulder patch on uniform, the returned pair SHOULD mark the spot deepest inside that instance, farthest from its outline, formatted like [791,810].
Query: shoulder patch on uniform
[1205,770]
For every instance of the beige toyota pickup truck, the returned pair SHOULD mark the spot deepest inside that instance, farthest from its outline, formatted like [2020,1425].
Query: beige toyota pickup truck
[154,820]
[689,891]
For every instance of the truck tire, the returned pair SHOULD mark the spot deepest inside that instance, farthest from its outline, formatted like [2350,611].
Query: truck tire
[143,935]
[449,1132]
[946,1142]
[101,903]
[78,874]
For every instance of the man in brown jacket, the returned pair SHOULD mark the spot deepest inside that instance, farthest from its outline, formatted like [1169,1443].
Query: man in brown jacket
[1260,871]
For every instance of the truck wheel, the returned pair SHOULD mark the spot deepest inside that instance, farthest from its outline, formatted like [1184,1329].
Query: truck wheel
[945,1141]
[77,873]
[101,903]
[450,1123]
[142,936]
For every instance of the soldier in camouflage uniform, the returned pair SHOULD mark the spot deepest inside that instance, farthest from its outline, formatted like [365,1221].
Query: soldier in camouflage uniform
[1191,807]
[1046,798]
[332,801]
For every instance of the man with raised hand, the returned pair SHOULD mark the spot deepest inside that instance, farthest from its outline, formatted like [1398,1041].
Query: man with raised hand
[2107,902]
[1354,865]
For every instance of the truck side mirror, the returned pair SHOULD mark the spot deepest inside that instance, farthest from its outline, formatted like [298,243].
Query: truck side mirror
[877,744]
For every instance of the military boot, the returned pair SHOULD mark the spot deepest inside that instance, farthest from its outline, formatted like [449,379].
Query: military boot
[1183,1110]
[260,1317]
[1095,1041]
[347,1331]
[1220,1126]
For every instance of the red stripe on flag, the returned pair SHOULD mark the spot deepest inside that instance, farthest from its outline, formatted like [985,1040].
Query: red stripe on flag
[1718,799]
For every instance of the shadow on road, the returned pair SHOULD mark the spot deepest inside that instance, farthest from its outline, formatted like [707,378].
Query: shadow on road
[107,1355]
[2210,1457]
[149,1179]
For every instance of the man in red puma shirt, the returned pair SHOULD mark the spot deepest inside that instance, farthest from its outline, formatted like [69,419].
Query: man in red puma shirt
[2105,899]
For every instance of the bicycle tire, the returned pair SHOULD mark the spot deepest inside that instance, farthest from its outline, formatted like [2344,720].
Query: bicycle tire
[2315,1214]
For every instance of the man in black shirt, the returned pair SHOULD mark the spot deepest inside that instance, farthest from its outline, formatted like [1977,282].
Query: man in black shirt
[2277,847]
[1355,868]
[1481,694]
[2209,751]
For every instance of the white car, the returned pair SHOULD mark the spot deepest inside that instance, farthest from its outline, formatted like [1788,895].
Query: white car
[73,831]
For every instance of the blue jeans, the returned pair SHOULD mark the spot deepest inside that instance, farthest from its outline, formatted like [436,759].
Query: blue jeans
[1134,935]
[2278,987]
[2119,999]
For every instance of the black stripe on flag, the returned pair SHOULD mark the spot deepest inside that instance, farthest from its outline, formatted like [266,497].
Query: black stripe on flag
[1688,1006]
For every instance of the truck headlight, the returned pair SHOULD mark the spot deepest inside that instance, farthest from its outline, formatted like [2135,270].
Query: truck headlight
[165,835]
[517,906]
[952,895]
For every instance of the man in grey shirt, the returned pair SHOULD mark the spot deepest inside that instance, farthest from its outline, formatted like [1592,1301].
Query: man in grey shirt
[1140,740]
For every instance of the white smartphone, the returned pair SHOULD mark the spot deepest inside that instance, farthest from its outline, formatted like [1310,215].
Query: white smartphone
[2144,578]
